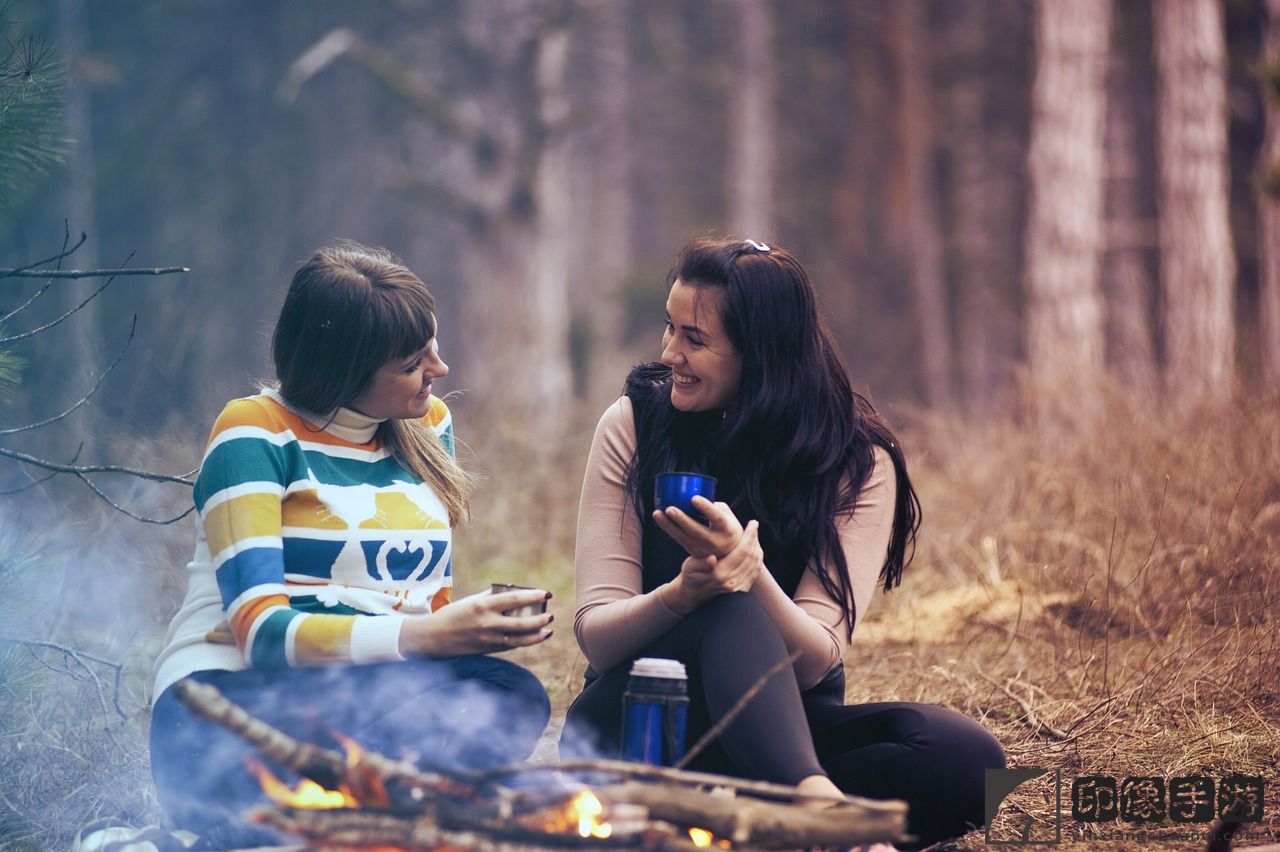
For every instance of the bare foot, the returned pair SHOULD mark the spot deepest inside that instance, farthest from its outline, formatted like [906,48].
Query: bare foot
[817,792]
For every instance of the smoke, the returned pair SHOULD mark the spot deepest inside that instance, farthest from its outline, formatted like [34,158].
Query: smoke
[88,594]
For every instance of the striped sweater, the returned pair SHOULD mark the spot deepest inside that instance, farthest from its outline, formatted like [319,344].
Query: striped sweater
[313,544]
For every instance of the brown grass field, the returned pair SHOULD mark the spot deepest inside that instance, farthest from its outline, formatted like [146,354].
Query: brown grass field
[1099,587]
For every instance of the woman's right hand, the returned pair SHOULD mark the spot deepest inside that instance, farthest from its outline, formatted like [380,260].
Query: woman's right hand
[702,579]
[477,625]
[717,537]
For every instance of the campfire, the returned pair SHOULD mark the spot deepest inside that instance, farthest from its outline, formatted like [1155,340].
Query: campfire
[364,800]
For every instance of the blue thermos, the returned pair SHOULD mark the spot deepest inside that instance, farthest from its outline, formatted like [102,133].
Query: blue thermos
[655,709]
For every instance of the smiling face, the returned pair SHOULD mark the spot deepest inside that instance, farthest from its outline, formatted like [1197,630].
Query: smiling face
[401,388]
[705,366]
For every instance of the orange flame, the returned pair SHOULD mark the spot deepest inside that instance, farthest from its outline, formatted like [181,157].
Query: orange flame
[306,794]
[589,810]
[703,839]
[582,814]
[352,748]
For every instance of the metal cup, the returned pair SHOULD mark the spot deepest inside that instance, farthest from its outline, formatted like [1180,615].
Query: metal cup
[528,609]
[678,489]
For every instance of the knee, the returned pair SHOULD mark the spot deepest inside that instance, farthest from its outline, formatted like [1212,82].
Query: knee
[955,740]
[519,683]
[738,613]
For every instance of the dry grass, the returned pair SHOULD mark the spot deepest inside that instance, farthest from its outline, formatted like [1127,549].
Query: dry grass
[1120,574]
[1117,570]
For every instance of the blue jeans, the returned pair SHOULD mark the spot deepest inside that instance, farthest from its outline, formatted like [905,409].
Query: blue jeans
[472,712]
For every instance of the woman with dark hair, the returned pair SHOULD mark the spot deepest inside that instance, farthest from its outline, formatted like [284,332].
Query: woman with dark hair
[319,597]
[815,510]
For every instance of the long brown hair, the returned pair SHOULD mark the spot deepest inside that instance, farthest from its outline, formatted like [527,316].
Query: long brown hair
[350,309]
[796,445]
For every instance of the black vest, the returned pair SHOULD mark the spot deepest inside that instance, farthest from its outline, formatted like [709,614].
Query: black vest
[694,439]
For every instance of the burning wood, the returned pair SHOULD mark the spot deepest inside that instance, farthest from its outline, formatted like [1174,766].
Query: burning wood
[364,799]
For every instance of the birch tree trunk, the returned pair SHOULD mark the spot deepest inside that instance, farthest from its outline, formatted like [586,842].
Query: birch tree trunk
[1127,282]
[1197,261]
[1269,203]
[1064,229]
[923,248]
[752,140]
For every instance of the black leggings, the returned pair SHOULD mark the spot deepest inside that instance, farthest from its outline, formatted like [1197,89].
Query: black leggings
[932,758]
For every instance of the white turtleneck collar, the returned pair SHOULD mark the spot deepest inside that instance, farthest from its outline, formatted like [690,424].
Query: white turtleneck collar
[345,423]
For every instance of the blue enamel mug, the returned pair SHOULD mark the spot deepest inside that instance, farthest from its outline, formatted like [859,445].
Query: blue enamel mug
[679,488]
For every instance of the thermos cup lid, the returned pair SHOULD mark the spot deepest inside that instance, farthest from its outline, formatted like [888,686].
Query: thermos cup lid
[658,667]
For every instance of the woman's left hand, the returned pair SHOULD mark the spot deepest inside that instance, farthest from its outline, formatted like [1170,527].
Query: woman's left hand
[717,537]
[736,571]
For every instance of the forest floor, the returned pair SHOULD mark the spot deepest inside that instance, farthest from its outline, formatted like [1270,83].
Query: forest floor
[1100,589]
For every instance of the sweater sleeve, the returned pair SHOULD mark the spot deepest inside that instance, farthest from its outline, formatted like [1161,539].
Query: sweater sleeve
[613,619]
[246,472]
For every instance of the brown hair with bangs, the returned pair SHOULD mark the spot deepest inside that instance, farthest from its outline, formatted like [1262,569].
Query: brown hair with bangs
[350,309]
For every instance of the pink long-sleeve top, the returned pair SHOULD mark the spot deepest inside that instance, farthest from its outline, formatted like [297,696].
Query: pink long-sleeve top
[614,619]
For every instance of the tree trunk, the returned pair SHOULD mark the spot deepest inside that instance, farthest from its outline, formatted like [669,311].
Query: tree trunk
[1197,262]
[515,273]
[1064,228]
[601,325]
[1127,282]
[83,354]
[986,147]
[752,142]
[923,249]
[1269,203]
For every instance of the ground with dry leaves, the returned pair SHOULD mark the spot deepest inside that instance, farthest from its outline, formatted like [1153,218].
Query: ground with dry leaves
[1100,588]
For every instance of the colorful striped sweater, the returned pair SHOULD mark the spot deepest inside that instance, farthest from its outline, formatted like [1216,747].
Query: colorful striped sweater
[313,544]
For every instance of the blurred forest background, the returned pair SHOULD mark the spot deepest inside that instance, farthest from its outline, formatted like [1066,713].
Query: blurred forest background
[1045,235]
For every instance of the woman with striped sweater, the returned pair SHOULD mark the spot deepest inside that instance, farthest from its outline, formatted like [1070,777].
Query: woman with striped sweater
[319,596]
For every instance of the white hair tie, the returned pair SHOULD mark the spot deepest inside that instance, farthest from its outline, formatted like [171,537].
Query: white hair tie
[757,246]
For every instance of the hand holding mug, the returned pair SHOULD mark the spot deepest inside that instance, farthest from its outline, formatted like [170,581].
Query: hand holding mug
[478,624]
[717,537]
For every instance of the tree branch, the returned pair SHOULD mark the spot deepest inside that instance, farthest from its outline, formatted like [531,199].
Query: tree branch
[88,273]
[183,479]
[57,258]
[449,803]
[33,483]
[66,238]
[369,774]
[389,70]
[143,518]
[1028,714]
[15,429]
[13,313]
[79,658]
[736,710]
[49,325]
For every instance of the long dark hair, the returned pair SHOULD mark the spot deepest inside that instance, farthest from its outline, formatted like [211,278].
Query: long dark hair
[796,445]
[350,309]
